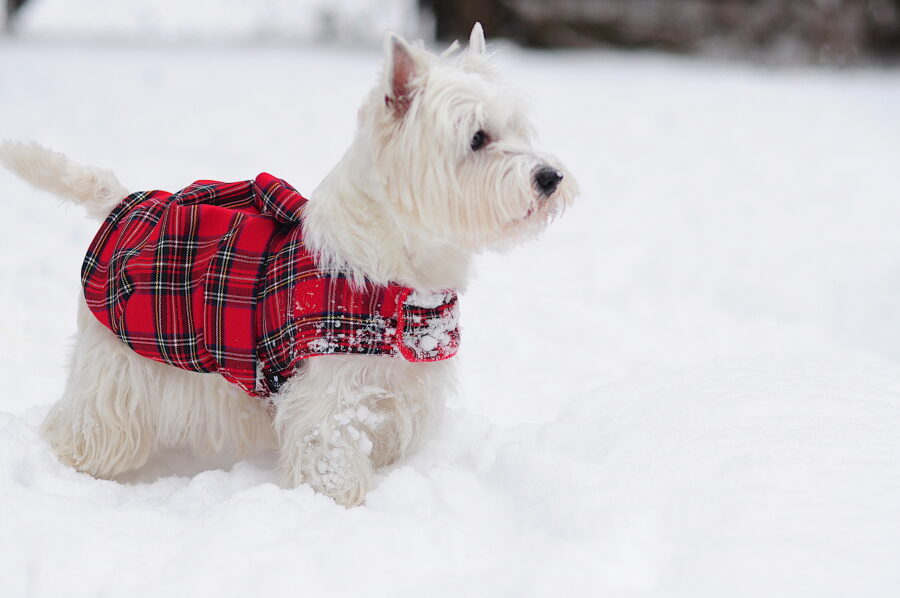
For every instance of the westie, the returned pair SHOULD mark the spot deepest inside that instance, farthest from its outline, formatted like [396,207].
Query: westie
[339,313]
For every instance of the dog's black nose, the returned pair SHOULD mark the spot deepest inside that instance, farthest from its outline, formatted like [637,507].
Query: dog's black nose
[547,180]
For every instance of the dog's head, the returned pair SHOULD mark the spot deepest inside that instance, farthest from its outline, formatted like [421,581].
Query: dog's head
[452,148]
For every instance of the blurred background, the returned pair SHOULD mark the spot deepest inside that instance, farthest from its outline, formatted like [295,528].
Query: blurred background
[818,31]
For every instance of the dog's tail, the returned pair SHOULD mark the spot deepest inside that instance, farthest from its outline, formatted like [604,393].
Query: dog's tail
[97,190]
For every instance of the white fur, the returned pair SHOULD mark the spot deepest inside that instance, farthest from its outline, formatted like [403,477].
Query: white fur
[96,189]
[410,202]
[119,408]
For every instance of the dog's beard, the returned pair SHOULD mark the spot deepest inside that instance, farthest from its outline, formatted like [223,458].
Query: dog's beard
[521,211]
[534,222]
[489,204]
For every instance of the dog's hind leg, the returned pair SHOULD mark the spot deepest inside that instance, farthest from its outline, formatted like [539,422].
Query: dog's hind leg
[120,407]
[102,425]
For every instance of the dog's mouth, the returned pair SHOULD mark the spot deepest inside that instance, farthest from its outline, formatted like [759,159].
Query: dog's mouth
[532,211]
[539,211]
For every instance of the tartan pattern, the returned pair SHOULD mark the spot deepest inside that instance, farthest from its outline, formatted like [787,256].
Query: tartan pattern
[216,278]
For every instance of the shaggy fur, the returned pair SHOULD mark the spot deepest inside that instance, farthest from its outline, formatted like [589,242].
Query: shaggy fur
[411,202]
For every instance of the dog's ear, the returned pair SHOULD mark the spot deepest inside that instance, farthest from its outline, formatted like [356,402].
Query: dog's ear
[476,41]
[402,68]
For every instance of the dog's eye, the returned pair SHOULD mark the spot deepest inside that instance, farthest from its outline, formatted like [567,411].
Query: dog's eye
[479,140]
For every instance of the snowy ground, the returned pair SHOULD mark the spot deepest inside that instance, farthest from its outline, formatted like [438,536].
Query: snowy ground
[689,387]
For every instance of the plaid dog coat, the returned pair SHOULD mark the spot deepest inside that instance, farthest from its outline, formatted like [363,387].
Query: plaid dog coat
[216,278]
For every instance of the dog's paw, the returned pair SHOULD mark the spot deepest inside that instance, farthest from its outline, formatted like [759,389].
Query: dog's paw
[333,474]
[332,464]
[334,442]
[93,442]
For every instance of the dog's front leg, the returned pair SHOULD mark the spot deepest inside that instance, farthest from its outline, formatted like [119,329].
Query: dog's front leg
[322,444]
[340,417]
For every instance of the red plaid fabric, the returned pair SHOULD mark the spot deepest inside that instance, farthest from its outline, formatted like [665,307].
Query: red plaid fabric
[216,278]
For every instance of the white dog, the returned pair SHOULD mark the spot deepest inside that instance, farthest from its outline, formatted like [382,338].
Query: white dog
[441,168]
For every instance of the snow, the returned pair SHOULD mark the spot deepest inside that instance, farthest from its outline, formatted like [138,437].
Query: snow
[434,335]
[690,386]
[346,21]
